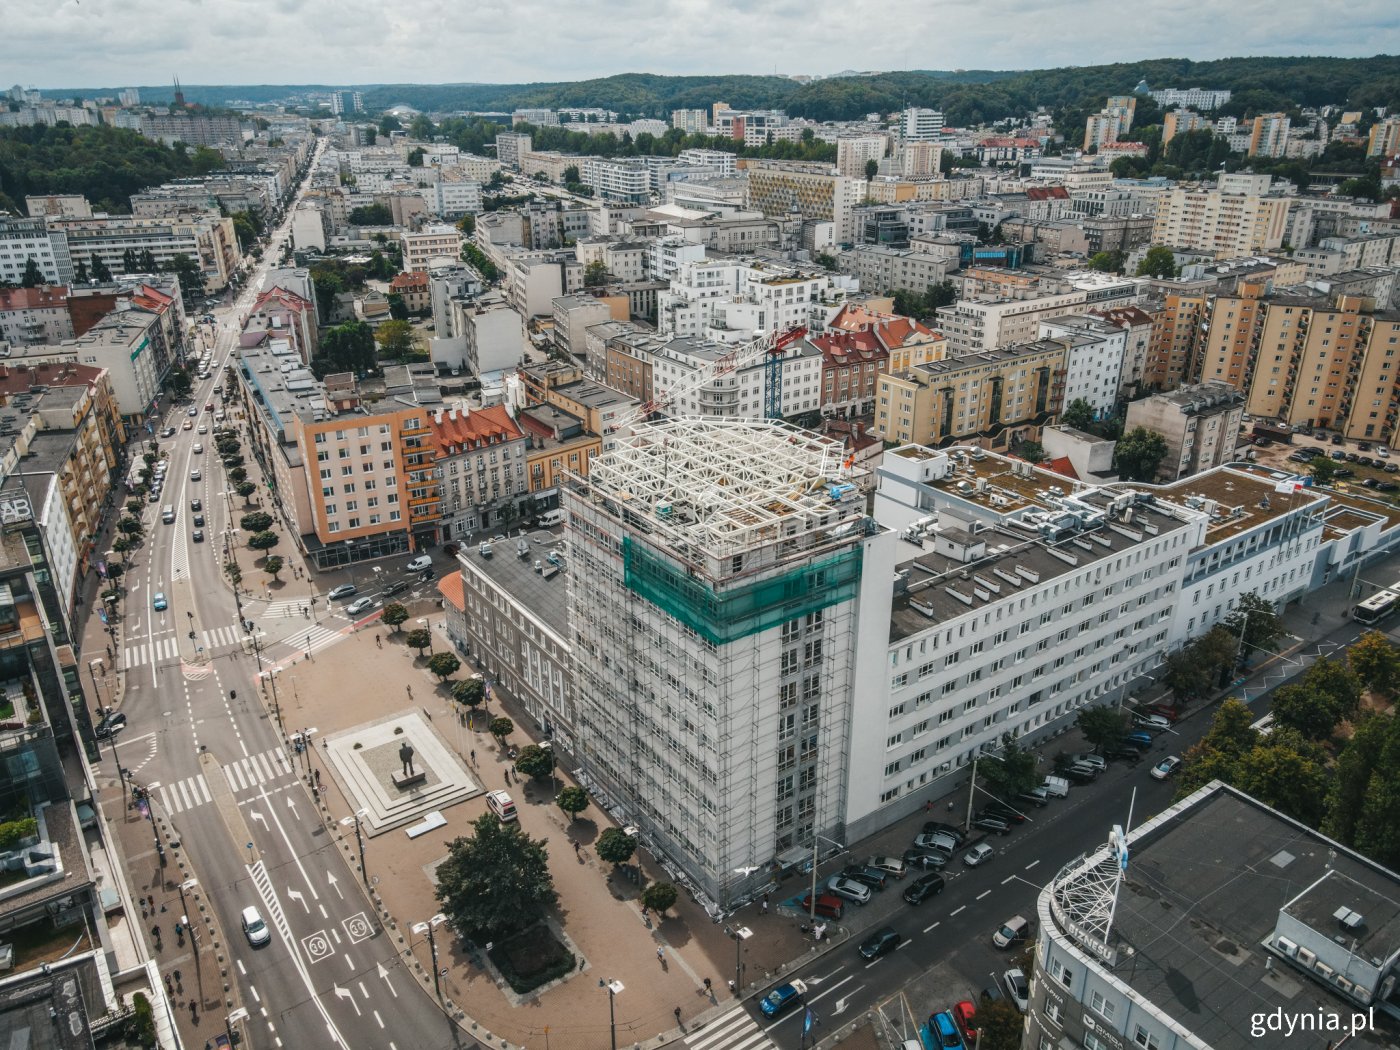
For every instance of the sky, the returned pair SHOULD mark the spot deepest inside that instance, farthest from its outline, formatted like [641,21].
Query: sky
[113,43]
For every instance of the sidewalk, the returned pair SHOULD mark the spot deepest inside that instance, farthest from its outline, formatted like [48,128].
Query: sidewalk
[598,909]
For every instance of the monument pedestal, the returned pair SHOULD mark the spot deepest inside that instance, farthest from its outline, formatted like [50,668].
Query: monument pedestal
[404,781]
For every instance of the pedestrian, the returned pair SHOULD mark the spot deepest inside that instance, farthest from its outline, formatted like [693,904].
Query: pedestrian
[661,955]
[474,761]
[378,642]
[765,904]
[708,989]
[677,1012]
[928,805]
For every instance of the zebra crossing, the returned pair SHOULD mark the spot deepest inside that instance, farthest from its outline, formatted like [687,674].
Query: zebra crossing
[316,638]
[281,610]
[161,650]
[243,775]
[736,1030]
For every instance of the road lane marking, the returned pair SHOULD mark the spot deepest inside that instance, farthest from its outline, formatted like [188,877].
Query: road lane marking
[1008,879]
[378,1018]
[959,908]
[927,928]
[983,894]
[242,972]
[254,989]
[1032,864]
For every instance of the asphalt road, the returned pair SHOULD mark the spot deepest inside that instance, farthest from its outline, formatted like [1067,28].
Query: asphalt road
[199,739]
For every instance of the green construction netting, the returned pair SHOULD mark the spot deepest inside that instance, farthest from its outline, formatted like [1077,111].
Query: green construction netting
[737,612]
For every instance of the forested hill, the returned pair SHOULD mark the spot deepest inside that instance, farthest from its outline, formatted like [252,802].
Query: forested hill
[965,96]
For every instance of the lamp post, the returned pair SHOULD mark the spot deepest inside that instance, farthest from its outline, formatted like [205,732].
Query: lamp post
[428,928]
[740,935]
[812,911]
[97,698]
[355,819]
[614,988]
[188,884]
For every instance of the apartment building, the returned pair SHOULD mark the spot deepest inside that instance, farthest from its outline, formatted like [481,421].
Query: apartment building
[208,239]
[415,289]
[1383,140]
[1094,353]
[886,269]
[25,239]
[1137,327]
[1219,220]
[511,146]
[480,459]
[192,129]
[625,261]
[555,223]
[1268,135]
[280,314]
[741,393]
[916,124]
[1200,424]
[573,314]
[906,341]
[67,205]
[691,121]
[992,398]
[35,315]
[453,198]
[718,160]
[1179,121]
[817,191]
[853,152]
[534,279]
[979,325]
[616,180]
[734,298]
[435,242]
[1197,98]
[757,619]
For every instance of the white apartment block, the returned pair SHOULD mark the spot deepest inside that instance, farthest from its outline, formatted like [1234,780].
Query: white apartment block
[511,146]
[23,239]
[721,637]
[728,300]
[423,249]
[691,121]
[626,261]
[737,394]
[921,124]
[670,254]
[616,180]
[977,325]
[853,151]
[718,159]
[309,226]
[1094,352]
[885,270]
[452,200]
[1196,98]
[493,334]
[541,118]
[207,239]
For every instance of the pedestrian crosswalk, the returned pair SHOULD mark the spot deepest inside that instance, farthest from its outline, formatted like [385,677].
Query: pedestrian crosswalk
[163,650]
[281,610]
[243,775]
[314,638]
[736,1030]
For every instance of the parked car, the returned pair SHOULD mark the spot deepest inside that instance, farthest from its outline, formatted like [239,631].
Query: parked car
[889,865]
[1171,712]
[110,724]
[1012,932]
[1017,987]
[781,998]
[1122,751]
[937,841]
[344,590]
[872,877]
[1364,446]
[925,860]
[965,1014]
[828,907]
[943,1030]
[978,854]
[1056,787]
[1036,796]
[158,603]
[1136,743]
[1166,768]
[991,825]
[932,826]
[1140,735]
[1388,486]
[358,606]
[254,928]
[883,941]
[1080,775]
[1001,811]
[850,889]
[924,887]
[167,432]
[1344,473]
[1152,723]
[1338,455]
[1085,758]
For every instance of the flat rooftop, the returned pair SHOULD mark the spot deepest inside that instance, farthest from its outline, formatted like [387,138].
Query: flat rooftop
[1204,888]
[1246,496]
[516,575]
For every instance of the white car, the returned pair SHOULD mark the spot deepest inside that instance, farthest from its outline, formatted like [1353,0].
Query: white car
[1152,723]
[1166,769]
[978,854]
[254,928]
[198,449]
[1018,988]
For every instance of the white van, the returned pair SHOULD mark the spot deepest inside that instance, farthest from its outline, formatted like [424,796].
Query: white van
[418,564]
[552,517]
[500,803]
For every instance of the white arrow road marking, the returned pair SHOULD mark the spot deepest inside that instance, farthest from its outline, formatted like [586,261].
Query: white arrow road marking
[383,973]
[292,804]
[344,993]
[330,877]
[258,817]
[300,898]
[840,1006]
[296,859]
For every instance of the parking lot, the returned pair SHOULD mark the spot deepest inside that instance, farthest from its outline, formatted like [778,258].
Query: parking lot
[1360,465]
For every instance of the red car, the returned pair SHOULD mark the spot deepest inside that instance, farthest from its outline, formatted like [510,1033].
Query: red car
[828,907]
[1171,712]
[965,1016]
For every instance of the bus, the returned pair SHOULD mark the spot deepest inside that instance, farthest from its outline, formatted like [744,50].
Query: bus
[1377,607]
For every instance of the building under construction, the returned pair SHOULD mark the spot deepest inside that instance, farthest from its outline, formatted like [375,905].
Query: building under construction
[719,569]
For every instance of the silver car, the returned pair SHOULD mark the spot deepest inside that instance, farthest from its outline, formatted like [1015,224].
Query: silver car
[849,889]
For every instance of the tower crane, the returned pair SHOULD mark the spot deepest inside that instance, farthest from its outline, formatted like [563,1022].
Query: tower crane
[769,345]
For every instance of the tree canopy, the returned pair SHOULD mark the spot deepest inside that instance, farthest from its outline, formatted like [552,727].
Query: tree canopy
[1139,453]
[495,882]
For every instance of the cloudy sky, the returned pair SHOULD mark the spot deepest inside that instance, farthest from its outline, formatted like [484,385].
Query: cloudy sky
[110,43]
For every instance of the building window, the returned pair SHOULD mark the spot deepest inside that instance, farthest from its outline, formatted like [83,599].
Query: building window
[1102,1006]
[1146,1039]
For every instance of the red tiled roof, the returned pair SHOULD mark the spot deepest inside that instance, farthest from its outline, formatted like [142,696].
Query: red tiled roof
[152,299]
[839,348]
[290,300]
[411,280]
[1063,467]
[468,430]
[46,295]
[890,330]
[1123,316]
[450,587]
[1047,193]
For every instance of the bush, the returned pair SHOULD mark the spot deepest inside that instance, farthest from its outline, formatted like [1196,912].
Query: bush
[13,832]
[532,958]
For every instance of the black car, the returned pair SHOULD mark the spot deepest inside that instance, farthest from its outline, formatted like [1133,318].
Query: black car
[992,824]
[1135,741]
[198,536]
[933,827]
[109,725]
[199,521]
[1388,486]
[924,887]
[395,588]
[1122,751]
[1003,812]
[196,505]
[881,942]
[1344,472]
[872,877]
[1079,775]
[924,859]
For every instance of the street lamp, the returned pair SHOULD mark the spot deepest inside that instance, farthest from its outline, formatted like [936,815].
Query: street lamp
[614,988]
[812,911]
[355,819]
[428,928]
[93,665]
[740,935]
[188,884]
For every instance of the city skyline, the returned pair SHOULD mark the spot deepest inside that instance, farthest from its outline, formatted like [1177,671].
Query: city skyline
[98,44]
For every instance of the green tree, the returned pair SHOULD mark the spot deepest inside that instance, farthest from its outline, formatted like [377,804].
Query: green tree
[496,882]
[1158,262]
[395,339]
[595,274]
[444,665]
[421,128]
[1289,774]
[615,846]
[872,168]
[232,460]
[234,573]
[238,475]
[177,382]
[130,264]
[1185,675]
[272,566]
[999,1024]
[80,273]
[371,215]
[1011,772]
[827,261]
[246,489]
[263,541]
[100,273]
[389,123]
[415,157]
[122,544]
[571,174]
[573,801]
[1031,451]
[660,896]
[501,727]
[130,526]
[419,638]
[1078,414]
[1327,693]
[1356,765]
[1323,470]
[535,762]
[1376,662]
[1107,262]
[394,615]
[469,691]
[255,521]
[188,273]
[476,258]
[1139,453]
[33,276]
[1254,624]
[467,224]
[1102,726]
[398,309]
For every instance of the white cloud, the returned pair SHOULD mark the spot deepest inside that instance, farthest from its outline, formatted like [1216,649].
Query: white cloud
[110,43]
